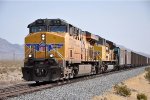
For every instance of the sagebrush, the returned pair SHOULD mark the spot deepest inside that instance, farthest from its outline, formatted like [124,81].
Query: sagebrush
[122,90]
[147,69]
[141,96]
[147,75]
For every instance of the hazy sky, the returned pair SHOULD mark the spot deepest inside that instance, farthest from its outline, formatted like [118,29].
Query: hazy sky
[124,22]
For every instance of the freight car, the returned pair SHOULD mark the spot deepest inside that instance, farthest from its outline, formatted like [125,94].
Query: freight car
[128,58]
[123,57]
[138,60]
[56,50]
[148,61]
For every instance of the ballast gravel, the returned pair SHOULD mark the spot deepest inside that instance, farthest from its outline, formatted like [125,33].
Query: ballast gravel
[83,90]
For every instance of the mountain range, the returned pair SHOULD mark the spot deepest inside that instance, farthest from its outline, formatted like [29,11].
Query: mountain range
[9,51]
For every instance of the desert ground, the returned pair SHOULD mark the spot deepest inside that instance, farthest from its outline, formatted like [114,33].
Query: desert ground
[136,84]
[10,73]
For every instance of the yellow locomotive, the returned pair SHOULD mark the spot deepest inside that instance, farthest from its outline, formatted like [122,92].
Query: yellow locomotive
[55,50]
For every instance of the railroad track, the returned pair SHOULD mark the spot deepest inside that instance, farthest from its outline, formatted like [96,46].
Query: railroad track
[19,89]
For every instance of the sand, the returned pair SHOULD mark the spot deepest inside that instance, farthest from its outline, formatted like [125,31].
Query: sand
[10,73]
[137,85]
[11,78]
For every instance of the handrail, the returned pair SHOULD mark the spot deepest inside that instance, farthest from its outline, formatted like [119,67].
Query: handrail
[60,57]
[28,50]
[59,54]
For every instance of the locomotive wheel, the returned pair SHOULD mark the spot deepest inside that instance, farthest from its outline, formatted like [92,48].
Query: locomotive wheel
[37,82]
[70,75]
[105,68]
[97,70]
[102,69]
[67,76]
[75,72]
[117,67]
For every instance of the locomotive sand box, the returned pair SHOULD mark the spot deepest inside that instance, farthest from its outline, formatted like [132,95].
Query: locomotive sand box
[56,50]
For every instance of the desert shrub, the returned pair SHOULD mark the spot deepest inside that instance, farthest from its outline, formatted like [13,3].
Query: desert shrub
[122,90]
[141,96]
[147,75]
[147,69]
[12,69]
[10,66]
[2,70]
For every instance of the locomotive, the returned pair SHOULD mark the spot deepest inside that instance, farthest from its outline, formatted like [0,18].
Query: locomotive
[56,50]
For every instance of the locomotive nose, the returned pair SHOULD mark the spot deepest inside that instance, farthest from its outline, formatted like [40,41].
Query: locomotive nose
[36,45]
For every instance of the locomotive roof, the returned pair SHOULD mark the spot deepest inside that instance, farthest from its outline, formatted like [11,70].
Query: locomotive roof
[48,22]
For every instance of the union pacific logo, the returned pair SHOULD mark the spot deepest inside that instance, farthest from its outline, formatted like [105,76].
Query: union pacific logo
[43,46]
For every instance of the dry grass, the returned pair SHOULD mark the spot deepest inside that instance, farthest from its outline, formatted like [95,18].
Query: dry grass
[141,96]
[147,69]
[10,72]
[10,66]
[122,90]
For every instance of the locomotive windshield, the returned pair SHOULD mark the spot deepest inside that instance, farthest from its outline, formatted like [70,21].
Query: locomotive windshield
[38,29]
[34,29]
[45,25]
[58,28]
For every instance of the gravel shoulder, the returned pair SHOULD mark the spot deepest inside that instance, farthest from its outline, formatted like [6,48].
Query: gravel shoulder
[137,84]
[84,90]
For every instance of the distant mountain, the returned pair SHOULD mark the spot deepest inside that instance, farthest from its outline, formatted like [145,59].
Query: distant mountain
[9,51]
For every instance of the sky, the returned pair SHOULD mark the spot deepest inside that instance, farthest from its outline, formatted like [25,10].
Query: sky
[124,22]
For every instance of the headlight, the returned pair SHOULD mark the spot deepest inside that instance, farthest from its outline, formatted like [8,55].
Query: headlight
[30,55]
[51,55]
[43,36]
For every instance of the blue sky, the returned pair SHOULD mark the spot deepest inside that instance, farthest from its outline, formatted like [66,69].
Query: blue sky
[124,22]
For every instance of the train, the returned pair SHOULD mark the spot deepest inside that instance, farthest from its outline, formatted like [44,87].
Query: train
[57,50]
